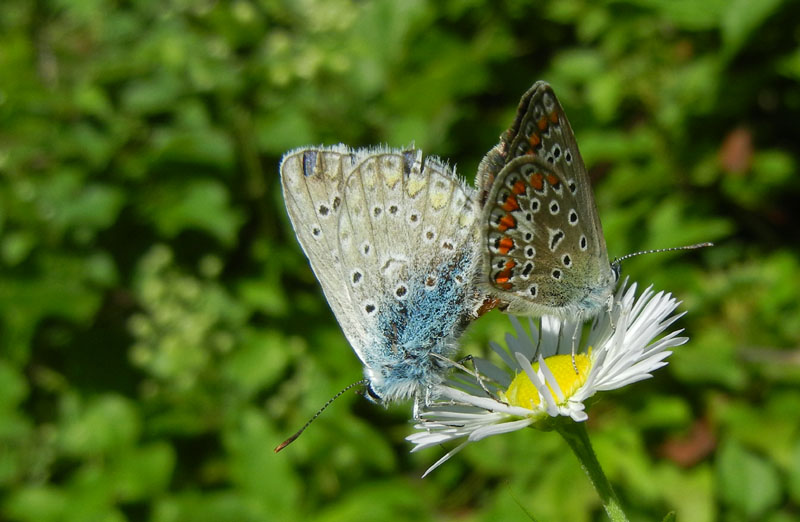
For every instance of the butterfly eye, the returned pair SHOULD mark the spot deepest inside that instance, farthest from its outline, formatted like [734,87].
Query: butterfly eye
[373,395]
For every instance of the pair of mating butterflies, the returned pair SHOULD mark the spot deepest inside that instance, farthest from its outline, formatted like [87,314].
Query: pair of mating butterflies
[408,254]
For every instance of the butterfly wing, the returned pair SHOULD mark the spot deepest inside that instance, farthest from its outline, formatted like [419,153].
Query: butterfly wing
[544,249]
[408,233]
[393,239]
[313,190]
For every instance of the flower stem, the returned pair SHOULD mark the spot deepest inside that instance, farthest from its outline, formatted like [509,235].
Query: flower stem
[577,438]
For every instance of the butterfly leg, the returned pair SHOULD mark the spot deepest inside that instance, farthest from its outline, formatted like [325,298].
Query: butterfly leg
[477,374]
[610,308]
[460,365]
[418,404]
[575,338]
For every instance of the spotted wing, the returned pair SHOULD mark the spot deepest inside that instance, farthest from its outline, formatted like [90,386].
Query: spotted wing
[544,247]
[387,233]
[409,237]
[313,190]
[540,128]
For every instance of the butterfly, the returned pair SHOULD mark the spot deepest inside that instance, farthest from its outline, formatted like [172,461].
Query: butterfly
[393,239]
[543,247]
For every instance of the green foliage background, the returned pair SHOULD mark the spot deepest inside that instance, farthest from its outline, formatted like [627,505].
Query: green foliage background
[161,332]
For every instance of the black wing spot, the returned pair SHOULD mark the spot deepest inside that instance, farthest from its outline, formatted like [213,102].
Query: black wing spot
[558,236]
[556,274]
[528,268]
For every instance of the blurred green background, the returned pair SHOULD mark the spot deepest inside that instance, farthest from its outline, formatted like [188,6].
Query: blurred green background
[161,331]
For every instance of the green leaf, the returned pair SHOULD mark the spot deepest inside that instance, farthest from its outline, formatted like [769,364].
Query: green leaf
[741,19]
[747,482]
[108,423]
[202,204]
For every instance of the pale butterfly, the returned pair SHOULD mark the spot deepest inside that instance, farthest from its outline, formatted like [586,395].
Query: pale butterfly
[392,237]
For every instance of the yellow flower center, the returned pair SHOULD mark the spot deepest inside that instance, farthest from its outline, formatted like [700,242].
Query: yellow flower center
[521,392]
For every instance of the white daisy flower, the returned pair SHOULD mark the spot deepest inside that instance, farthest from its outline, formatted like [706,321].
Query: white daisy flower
[543,381]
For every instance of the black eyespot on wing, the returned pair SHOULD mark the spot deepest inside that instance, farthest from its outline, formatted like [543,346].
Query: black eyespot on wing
[558,236]
[527,269]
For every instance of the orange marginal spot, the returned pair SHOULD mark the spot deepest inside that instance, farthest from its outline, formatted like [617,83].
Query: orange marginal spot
[504,276]
[505,245]
[552,179]
[554,117]
[507,222]
[534,140]
[537,181]
[518,188]
[543,123]
[511,204]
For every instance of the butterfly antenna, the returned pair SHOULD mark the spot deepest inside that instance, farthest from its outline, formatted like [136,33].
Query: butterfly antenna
[314,417]
[618,260]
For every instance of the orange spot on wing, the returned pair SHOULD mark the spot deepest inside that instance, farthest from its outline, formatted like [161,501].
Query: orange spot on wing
[552,179]
[505,245]
[554,117]
[511,204]
[543,123]
[518,188]
[534,140]
[504,276]
[537,180]
[507,222]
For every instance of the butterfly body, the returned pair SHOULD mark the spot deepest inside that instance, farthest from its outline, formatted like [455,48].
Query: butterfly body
[393,240]
[544,250]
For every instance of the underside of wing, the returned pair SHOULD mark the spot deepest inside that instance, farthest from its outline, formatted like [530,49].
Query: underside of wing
[543,251]
[313,189]
[409,238]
